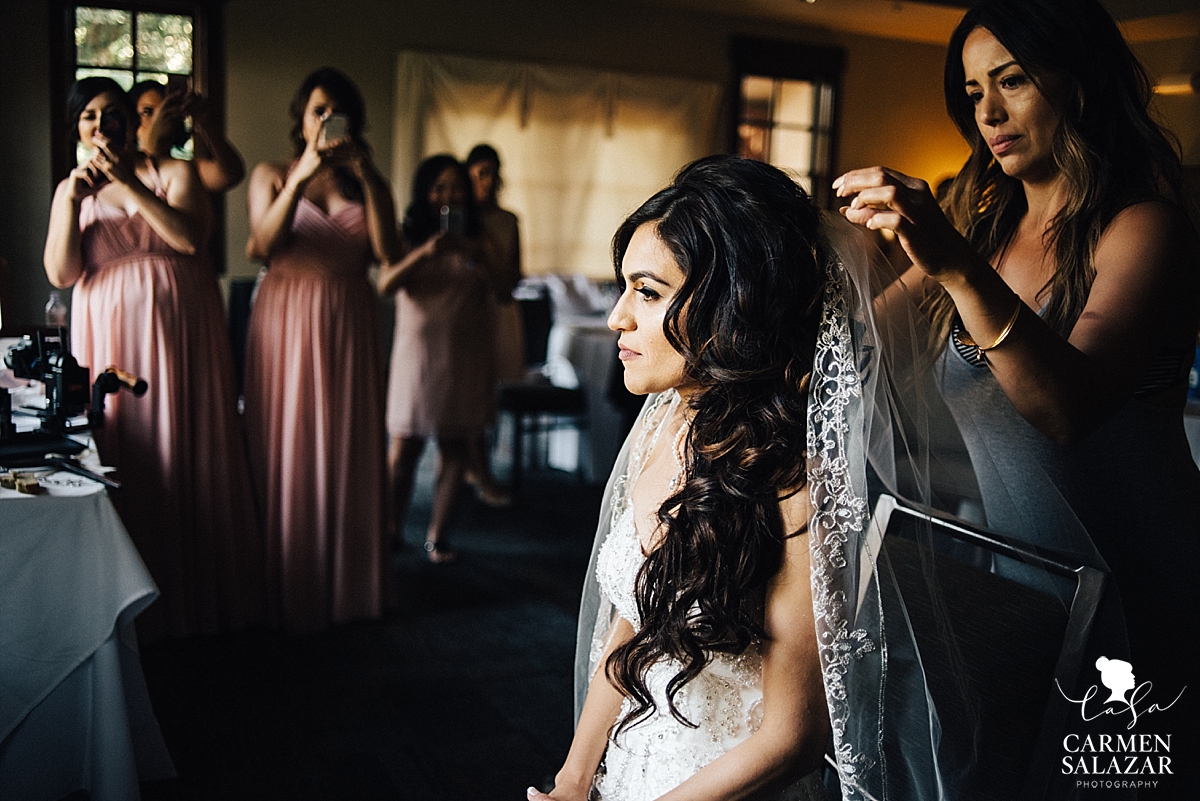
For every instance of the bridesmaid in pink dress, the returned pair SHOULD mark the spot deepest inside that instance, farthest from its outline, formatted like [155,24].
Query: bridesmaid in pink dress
[314,371]
[442,378]
[125,231]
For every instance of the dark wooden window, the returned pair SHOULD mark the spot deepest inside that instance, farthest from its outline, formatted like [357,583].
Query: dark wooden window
[786,108]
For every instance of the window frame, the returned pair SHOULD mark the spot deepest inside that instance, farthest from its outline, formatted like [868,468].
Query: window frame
[797,61]
[208,78]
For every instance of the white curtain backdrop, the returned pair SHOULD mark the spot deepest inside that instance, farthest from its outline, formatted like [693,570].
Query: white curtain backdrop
[581,148]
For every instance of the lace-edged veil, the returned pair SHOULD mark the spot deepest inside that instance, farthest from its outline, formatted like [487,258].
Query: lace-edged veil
[873,414]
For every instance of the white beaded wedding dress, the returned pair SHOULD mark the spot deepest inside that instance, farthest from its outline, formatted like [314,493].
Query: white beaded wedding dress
[658,753]
[871,402]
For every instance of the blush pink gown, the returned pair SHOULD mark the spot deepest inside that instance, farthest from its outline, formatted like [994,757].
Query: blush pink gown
[442,377]
[186,499]
[314,419]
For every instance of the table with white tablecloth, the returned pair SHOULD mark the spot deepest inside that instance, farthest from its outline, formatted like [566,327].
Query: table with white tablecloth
[582,352]
[74,710]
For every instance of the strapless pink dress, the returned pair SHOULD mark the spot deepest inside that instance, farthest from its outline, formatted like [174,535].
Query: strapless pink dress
[186,499]
[314,418]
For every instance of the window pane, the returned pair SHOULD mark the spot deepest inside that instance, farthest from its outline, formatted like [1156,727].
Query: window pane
[795,103]
[753,141]
[164,43]
[792,149]
[103,37]
[123,77]
[756,98]
[160,77]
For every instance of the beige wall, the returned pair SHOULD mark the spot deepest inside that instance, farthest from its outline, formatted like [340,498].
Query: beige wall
[25,118]
[904,126]
[1179,113]
[272,44]
[894,113]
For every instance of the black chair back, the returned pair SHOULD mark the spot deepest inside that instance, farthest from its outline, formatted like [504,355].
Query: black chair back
[989,647]
[537,318]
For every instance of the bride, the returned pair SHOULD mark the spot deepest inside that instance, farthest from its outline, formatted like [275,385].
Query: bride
[732,635]
[705,678]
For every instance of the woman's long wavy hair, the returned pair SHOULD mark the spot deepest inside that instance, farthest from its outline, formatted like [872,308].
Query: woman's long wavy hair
[341,89]
[1108,149]
[746,237]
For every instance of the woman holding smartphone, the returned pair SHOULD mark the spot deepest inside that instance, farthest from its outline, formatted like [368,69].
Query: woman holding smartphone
[442,374]
[161,112]
[125,231]
[314,382]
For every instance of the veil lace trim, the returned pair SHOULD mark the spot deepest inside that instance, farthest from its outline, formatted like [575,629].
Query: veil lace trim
[839,517]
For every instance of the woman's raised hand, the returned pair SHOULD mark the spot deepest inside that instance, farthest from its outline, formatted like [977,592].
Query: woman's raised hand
[84,180]
[349,153]
[882,198]
[108,161]
[309,162]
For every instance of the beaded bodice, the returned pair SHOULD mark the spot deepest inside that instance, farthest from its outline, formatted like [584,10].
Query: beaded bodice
[724,701]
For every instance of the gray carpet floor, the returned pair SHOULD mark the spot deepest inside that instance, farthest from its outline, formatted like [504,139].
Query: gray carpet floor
[462,692]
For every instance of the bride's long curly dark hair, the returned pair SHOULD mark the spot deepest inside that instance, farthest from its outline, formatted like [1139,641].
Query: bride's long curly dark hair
[746,237]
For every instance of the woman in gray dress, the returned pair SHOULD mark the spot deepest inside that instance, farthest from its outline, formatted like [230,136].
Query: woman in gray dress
[1062,277]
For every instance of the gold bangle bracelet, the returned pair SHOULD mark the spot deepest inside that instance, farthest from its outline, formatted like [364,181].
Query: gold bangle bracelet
[1007,328]
[966,339]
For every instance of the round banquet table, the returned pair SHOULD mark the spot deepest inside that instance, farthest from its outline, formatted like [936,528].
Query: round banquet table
[74,710]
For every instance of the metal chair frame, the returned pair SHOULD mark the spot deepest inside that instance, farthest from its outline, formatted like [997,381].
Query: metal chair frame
[890,519]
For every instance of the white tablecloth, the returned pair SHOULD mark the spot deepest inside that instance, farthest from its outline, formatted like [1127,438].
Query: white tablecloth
[74,711]
[582,353]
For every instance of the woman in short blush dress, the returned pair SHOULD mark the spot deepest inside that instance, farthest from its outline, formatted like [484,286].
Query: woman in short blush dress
[441,382]
[314,370]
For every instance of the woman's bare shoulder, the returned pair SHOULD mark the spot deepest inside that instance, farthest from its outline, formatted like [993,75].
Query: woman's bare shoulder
[1148,220]
[271,171]
[173,169]
[1148,238]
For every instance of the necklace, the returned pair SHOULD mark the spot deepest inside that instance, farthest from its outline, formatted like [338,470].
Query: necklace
[652,429]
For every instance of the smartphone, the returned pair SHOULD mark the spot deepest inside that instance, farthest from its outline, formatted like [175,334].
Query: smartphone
[334,127]
[114,127]
[454,219]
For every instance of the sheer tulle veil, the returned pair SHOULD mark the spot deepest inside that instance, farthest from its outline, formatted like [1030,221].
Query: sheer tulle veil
[872,410]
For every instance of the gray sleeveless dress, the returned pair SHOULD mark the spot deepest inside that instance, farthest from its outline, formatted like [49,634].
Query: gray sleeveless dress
[1132,485]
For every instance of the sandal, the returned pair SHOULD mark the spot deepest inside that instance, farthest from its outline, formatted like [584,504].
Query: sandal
[440,554]
[488,492]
